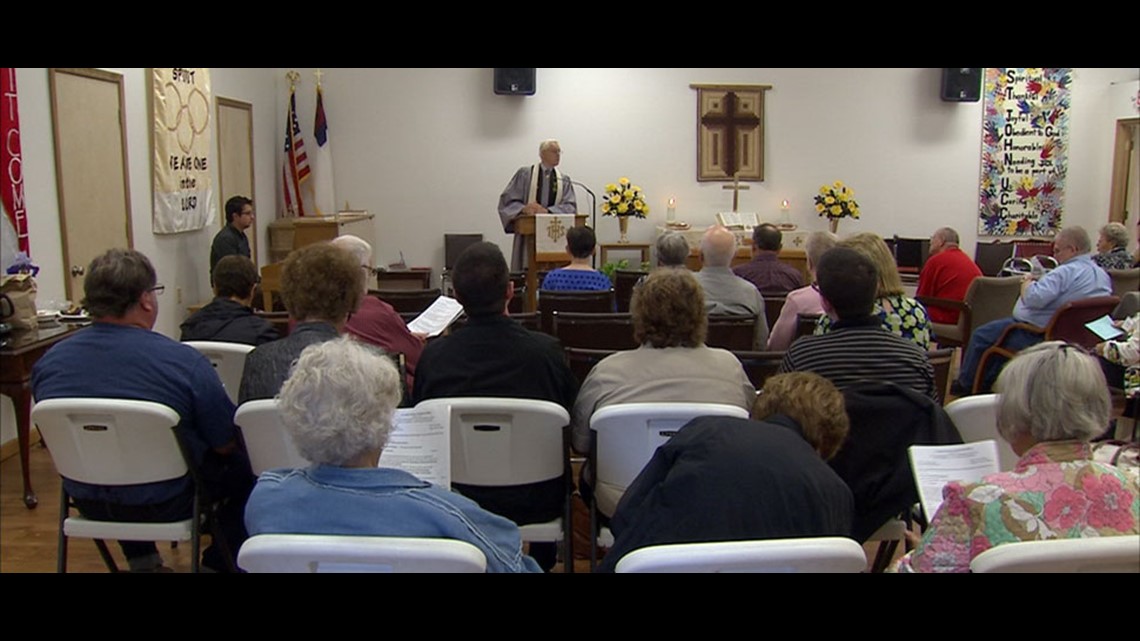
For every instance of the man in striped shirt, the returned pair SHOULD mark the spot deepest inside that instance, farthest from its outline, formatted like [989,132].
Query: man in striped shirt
[857,348]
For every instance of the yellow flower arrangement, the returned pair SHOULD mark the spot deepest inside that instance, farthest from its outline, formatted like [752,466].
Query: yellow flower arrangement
[836,201]
[624,199]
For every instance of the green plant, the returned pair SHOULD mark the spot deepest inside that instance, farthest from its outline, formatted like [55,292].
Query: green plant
[609,268]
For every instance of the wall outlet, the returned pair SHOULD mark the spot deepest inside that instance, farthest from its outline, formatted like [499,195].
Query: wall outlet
[178,295]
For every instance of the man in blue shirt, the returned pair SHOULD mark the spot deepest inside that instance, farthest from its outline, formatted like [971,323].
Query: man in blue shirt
[121,357]
[1076,277]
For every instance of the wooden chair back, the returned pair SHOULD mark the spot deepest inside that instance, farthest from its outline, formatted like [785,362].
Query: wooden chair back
[613,331]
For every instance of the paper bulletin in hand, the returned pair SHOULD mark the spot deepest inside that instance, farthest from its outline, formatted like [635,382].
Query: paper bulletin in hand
[420,444]
[437,318]
[936,465]
[1104,328]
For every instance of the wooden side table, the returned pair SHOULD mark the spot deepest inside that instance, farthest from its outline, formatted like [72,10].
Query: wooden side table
[16,362]
[643,248]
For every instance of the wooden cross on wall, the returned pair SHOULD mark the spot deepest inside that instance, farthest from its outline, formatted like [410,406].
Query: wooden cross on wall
[730,132]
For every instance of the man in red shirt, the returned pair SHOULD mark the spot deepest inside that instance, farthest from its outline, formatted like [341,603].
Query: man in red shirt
[947,274]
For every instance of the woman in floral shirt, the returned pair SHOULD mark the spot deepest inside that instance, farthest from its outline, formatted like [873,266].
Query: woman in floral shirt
[1053,400]
[900,314]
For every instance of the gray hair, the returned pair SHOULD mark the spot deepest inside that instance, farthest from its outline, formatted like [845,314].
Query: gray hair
[339,401]
[547,144]
[1053,392]
[356,246]
[1115,233]
[817,243]
[672,249]
[1075,237]
[947,235]
[115,281]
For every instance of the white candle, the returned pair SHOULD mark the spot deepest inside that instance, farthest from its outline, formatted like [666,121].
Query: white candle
[671,211]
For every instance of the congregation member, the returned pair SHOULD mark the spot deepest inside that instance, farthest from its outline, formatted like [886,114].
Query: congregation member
[1112,248]
[857,347]
[672,250]
[1076,277]
[541,188]
[121,294]
[1120,362]
[804,300]
[947,274]
[579,275]
[338,407]
[724,291]
[493,355]
[229,318]
[765,270]
[1052,399]
[898,313]
[732,479]
[231,239]
[672,364]
[321,285]
[375,321]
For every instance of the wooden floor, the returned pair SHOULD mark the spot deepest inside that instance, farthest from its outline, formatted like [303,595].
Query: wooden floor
[28,537]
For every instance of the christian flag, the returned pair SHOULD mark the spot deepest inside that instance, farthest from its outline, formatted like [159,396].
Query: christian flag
[322,162]
[295,168]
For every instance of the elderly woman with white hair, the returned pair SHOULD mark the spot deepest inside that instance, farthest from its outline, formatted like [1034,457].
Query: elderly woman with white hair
[1052,401]
[338,405]
[1112,248]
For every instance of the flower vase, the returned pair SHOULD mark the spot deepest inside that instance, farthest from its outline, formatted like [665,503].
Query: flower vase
[833,225]
[623,225]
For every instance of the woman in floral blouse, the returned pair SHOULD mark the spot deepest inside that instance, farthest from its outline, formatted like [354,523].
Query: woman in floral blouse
[899,313]
[1052,401]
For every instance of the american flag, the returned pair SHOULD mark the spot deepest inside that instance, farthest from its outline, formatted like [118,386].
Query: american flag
[295,169]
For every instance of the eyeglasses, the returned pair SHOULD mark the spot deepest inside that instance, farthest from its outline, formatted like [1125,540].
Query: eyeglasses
[158,289]
[815,286]
[372,271]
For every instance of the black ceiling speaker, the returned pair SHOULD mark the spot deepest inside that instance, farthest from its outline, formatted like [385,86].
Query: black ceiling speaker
[962,85]
[510,81]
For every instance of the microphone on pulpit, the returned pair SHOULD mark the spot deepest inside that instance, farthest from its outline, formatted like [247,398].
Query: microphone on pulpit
[594,216]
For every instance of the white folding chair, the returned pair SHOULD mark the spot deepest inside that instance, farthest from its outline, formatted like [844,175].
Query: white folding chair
[626,436]
[316,553]
[509,441]
[1087,555]
[976,420]
[228,360]
[114,442]
[832,554]
[268,444]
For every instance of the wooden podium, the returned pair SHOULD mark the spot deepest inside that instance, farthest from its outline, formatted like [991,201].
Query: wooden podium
[524,226]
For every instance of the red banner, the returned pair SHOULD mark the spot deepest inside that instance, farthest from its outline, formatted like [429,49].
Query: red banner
[11,160]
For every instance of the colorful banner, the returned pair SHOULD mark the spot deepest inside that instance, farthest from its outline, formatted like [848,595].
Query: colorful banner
[183,153]
[11,160]
[1025,136]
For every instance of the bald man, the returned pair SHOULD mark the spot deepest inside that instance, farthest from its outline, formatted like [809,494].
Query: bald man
[947,273]
[725,292]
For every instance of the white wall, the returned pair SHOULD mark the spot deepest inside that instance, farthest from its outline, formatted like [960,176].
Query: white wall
[429,150]
[181,260]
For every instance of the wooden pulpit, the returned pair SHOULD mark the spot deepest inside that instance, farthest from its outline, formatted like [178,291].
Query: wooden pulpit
[525,225]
